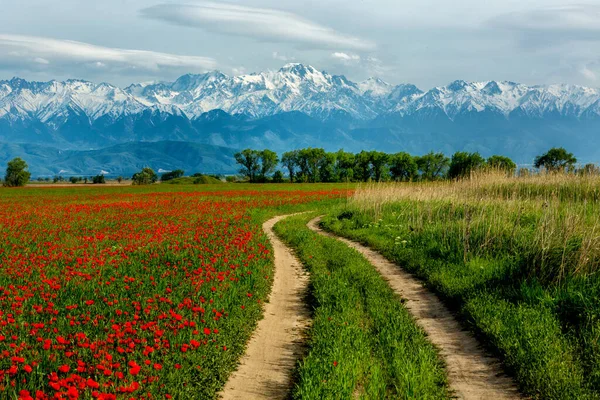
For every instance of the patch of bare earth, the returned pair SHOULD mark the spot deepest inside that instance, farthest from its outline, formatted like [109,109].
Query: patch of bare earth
[266,369]
[472,374]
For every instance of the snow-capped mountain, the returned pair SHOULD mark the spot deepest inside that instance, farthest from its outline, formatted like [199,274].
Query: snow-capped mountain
[295,87]
[299,105]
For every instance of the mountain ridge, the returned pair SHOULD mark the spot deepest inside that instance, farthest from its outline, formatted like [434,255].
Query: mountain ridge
[294,87]
[300,106]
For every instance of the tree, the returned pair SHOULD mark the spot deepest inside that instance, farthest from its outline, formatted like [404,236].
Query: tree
[432,166]
[169,176]
[268,162]
[344,166]
[502,163]
[379,161]
[327,170]
[98,179]
[310,161]
[403,167]
[290,161]
[555,159]
[278,177]
[146,176]
[248,159]
[119,179]
[74,179]
[17,173]
[363,166]
[463,163]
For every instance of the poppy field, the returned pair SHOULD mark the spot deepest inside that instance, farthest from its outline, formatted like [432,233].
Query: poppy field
[125,293]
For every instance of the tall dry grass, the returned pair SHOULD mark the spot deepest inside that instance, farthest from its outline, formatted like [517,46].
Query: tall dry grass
[553,220]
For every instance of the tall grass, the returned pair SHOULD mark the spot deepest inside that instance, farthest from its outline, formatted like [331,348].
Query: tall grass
[552,219]
[517,257]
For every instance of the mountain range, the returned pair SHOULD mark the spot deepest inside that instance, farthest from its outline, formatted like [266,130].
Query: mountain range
[295,106]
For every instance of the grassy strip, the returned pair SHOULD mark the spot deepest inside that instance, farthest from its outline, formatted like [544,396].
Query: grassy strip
[363,342]
[514,314]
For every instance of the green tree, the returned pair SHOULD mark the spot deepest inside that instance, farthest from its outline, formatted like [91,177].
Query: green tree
[363,168]
[119,179]
[249,160]
[379,162]
[73,179]
[344,166]
[146,176]
[502,163]
[327,170]
[268,162]
[278,177]
[432,166]
[169,176]
[403,167]
[290,161]
[555,159]
[99,179]
[463,163]
[17,173]
[309,161]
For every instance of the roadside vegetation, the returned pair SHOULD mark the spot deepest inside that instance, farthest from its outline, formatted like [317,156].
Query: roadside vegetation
[363,343]
[517,257]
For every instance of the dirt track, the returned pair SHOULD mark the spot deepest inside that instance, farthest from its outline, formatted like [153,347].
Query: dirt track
[266,368]
[471,373]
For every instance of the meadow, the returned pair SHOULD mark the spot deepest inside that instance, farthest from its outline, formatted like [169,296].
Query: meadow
[124,292]
[153,291]
[516,258]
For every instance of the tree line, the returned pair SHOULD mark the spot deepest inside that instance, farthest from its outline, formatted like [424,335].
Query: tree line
[317,165]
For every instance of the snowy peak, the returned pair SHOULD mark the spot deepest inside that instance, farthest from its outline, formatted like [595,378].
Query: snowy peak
[294,87]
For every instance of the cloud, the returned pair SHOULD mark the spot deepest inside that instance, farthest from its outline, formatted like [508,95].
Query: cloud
[565,22]
[30,51]
[263,24]
[282,57]
[345,57]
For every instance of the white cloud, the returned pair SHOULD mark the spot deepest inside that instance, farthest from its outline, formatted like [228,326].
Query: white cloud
[345,56]
[574,21]
[282,57]
[260,23]
[588,73]
[17,49]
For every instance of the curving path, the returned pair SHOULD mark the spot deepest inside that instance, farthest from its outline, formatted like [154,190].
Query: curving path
[471,373]
[266,368]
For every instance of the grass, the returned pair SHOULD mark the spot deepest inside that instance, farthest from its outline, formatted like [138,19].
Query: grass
[363,342]
[517,258]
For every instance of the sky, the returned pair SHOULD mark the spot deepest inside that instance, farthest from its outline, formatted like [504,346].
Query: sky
[425,42]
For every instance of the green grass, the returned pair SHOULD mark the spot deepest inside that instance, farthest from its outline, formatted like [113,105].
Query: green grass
[363,342]
[515,271]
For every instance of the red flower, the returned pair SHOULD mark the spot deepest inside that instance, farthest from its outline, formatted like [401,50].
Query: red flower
[157,367]
[28,368]
[206,331]
[93,384]
[64,368]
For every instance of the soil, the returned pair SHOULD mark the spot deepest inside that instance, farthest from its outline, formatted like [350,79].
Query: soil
[266,369]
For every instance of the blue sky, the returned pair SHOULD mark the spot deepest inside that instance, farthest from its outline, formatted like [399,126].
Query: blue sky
[426,42]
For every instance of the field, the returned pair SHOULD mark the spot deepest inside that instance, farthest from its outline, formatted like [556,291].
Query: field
[517,259]
[153,292]
[132,292]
